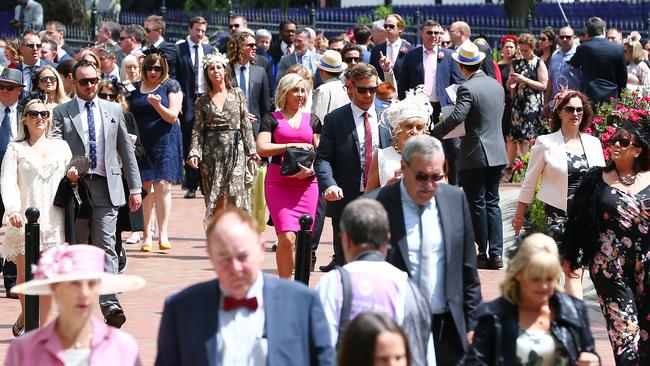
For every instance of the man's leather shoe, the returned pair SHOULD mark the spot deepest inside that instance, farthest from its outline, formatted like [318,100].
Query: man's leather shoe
[121,261]
[328,267]
[482,262]
[191,193]
[313,261]
[115,317]
[496,262]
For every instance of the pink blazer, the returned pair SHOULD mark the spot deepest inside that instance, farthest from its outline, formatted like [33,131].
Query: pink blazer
[109,347]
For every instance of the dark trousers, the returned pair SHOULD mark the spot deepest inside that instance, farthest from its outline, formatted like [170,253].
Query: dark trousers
[319,222]
[446,340]
[481,187]
[339,257]
[9,272]
[192,176]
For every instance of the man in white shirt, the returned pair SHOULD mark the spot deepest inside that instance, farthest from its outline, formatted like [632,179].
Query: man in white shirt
[394,48]
[243,317]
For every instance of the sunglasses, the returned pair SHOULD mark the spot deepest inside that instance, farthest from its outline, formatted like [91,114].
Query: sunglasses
[107,96]
[347,60]
[35,114]
[45,79]
[543,39]
[150,30]
[88,81]
[8,87]
[390,26]
[251,45]
[431,33]
[571,110]
[445,43]
[364,90]
[234,26]
[565,37]
[155,68]
[622,141]
[421,177]
[32,45]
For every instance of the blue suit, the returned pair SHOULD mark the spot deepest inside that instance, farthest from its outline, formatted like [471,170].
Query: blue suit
[295,326]
[412,73]
[41,64]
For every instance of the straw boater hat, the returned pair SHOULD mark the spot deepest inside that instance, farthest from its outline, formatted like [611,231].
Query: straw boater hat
[331,62]
[12,76]
[75,262]
[468,54]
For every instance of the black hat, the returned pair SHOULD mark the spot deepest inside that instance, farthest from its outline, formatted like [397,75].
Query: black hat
[641,129]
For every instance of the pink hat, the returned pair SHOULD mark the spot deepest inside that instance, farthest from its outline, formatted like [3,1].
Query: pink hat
[75,262]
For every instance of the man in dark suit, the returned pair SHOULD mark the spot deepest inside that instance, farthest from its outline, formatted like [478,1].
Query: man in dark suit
[395,48]
[189,73]
[244,317]
[431,239]
[250,78]
[349,137]
[479,103]
[30,50]
[603,66]
[154,27]
[236,24]
[56,30]
[460,32]
[283,46]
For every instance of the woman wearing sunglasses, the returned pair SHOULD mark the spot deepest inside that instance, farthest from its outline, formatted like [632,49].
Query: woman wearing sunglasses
[561,159]
[156,101]
[32,169]
[48,83]
[607,233]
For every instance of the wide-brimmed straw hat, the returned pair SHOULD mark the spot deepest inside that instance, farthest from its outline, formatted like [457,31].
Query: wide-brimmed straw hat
[331,61]
[12,76]
[468,54]
[72,263]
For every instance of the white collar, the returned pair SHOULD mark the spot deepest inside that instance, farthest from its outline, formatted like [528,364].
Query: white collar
[407,199]
[191,43]
[238,66]
[12,107]
[357,112]
[257,290]
[158,42]
[82,103]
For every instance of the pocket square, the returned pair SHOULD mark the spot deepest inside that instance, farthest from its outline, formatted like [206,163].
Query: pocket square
[112,120]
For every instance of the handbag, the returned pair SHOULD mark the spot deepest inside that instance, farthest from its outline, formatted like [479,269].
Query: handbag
[293,157]
[259,201]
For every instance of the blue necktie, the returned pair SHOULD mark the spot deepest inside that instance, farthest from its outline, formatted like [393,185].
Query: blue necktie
[242,80]
[5,133]
[92,140]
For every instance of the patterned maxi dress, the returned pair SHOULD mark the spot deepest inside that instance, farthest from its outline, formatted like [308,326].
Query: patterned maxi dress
[527,104]
[222,139]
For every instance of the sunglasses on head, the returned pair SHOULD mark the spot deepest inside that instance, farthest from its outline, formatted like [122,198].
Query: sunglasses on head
[8,87]
[351,59]
[565,37]
[32,45]
[571,110]
[155,68]
[622,141]
[45,79]
[88,81]
[364,90]
[431,33]
[390,26]
[35,114]
[107,96]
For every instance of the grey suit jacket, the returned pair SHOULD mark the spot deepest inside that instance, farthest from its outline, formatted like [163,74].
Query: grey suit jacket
[289,60]
[479,102]
[67,123]
[259,94]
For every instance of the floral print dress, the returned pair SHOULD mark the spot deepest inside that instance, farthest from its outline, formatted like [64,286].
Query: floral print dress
[527,104]
[577,167]
[620,272]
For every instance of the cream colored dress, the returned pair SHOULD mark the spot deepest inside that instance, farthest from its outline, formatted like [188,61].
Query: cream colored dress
[388,161]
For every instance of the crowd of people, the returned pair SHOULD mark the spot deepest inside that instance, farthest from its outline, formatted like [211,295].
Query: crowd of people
[403,146]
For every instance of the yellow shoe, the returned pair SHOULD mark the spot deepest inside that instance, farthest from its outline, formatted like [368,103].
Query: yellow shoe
[146,248]
[164,245]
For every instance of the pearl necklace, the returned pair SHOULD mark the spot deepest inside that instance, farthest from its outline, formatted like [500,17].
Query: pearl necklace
[625,181]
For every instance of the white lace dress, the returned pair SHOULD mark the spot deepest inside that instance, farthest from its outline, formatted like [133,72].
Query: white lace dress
[388,160]
[31,180]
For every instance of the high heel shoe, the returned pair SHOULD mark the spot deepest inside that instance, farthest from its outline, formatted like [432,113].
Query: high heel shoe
[164,245]
[146,247]
[18,330]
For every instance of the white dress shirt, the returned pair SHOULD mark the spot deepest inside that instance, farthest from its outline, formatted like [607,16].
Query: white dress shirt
[434,87]
[390,47]
[13,118]
[359,123]
[433,234]
[99,134]
[237,70]
[241,340]
[201,78]
[283,47]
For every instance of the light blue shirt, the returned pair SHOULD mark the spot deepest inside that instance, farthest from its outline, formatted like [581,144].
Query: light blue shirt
[561,73]
[432,233]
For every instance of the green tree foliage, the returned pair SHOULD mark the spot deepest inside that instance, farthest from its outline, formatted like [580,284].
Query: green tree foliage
[65,11]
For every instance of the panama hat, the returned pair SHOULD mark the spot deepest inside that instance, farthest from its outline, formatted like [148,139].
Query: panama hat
[331,61]
[468,54]
[72,263]
[12,76]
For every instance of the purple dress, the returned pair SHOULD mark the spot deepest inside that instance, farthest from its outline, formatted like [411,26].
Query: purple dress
[289,198]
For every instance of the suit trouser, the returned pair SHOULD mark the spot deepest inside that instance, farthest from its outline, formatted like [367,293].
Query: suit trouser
[449,349]
[192,176]
[339,257]
[319,223]
[99,229]
[481,187]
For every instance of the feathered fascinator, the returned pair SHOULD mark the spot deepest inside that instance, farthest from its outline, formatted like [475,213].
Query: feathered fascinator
[640,128]
[415,105]
[559,97]
[215,56]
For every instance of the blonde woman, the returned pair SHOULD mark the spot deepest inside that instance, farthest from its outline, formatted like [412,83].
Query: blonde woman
[304,73]
[533,318]
[48,81]
[32,168]
[638,72]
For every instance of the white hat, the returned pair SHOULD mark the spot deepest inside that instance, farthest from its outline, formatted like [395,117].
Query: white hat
[468,54]
[415,105]
[75,262]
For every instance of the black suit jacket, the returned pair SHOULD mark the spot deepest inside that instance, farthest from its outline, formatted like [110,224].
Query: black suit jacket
[168,50]
[276,51]
[412,73]
[603,67]
[259,98]
[397,68]
[263,61]
[187,78]
[337,158]
[462,284]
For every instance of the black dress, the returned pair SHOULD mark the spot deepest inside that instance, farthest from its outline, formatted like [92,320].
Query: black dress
[577,167]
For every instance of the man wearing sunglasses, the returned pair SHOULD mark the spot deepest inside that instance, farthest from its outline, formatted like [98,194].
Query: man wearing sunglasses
[431,239]
[394,48]
[349,137]
[11,90]
[237,23]
[30,50]
[154,27]
[560,73]
[95,128]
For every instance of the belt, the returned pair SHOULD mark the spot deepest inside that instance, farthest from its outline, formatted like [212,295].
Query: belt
[94,177]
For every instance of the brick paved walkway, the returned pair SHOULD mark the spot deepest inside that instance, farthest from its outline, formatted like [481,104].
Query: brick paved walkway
[186,263]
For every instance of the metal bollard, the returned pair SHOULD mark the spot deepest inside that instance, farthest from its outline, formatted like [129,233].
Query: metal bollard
[32,250]
[303,250]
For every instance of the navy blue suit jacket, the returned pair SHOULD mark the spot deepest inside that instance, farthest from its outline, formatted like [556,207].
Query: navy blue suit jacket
[295,326]
[337,158]
[375,56]
[187,78]
[412,73]
[43,63]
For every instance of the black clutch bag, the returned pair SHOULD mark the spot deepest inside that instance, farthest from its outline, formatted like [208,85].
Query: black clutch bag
[293,157]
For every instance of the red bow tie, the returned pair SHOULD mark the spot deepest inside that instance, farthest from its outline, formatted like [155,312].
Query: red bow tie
[230,303]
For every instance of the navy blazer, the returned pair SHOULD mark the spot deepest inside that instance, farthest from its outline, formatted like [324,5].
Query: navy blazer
[412,74]
[168,51]
[337,158]
[262,60]
[259,94]
[375,56]
[603,67]
[462,284]
[295,326]
[187,78]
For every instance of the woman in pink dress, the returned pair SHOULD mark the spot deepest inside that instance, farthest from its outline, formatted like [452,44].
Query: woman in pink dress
[289,197]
